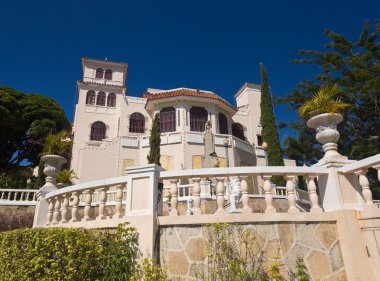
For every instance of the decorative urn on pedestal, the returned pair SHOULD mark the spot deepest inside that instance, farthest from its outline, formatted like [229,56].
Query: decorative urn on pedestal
[53,165]
[323,109]
[327,134]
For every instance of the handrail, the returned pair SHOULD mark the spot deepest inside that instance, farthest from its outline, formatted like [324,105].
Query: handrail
[361,164]
[87,185]
[247,171]
[18,190]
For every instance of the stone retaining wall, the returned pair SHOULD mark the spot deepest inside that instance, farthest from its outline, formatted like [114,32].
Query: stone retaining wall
[183,248]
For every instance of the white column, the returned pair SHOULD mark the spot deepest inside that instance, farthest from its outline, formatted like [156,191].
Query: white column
[74,210]
[196,195]
[57,207]
[291,196]
[102,202]
[268,194]
[65,206]
[87,202]
[220,195]
[244,194]
[364,183]
[312,188]
[174,200]
[119,201]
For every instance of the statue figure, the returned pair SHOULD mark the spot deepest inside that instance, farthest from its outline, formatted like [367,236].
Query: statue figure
[190,207]
[210,158]
[234,195]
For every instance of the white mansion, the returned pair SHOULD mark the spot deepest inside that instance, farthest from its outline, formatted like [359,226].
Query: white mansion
[111,129]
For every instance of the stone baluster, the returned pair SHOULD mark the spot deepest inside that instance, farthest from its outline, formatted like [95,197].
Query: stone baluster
[57,209]
[174,198]
[220,195]
[9,195]
[268,194]
[119,201]
[364,183]
[197,197]
[313,196]
[102,202]
[65,207]
[291,196]
[87,204]
[244,194]
[34,196]
[377,167]
[74,210]
[50,211]
[2,195]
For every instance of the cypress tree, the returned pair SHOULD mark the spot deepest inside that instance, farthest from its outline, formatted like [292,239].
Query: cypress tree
[269,130]
[154,141]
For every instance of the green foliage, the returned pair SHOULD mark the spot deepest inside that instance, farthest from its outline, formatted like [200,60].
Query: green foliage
[326,100]
[149,271]
[25,119]
[232,254]
[354,67]
[16,178]
[66,176]
[269,131]
[57,143]
[155,141]
[67,254]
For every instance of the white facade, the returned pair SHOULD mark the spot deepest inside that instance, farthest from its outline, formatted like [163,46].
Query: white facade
[125,145]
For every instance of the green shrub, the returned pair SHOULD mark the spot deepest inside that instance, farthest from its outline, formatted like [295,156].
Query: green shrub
[68,254]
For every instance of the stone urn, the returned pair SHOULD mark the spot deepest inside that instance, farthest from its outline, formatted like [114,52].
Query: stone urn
[53,165]
[327,134]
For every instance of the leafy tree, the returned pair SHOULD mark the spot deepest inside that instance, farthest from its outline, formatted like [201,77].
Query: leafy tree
[25,119]
[269,131]
[154,141]
[355,68]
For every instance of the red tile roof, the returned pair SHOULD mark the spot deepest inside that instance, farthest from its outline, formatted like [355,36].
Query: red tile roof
[185,92]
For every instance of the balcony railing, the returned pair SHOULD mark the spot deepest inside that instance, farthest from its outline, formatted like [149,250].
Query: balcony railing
[18,197]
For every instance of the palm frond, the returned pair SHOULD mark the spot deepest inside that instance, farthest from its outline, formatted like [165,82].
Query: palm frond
[326,100]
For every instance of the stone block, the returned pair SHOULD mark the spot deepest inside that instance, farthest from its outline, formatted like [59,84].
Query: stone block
[318,265]
[196,249]
[286,236]
[305,235]
[177,263]
[326,233]
[336,257]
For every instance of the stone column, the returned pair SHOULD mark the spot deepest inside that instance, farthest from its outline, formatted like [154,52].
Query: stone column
[196,195]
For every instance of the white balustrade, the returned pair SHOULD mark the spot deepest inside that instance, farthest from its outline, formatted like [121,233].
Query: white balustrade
[218,176]
[18,197]
[65,203]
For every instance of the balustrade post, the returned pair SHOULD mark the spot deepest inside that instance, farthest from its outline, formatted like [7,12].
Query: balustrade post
[174,199]
[313,196]
[244,194]
[364,183]
[119,201]
[102,202]
[220,195]
[87,204]
[268,194]
[291,196]
[50,211]
[197,197]
[74,210]
[377,167]
[57,209]
[65,207]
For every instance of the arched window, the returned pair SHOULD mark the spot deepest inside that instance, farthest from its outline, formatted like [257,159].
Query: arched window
[111,100]
[223,127]
[198,119]
[108,74]
[99,73]
[167,118]
[98,131]
[90,98]
[101,99]
[238,131]
[136,123]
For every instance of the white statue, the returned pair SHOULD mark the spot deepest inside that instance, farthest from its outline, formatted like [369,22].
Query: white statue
[234,195]
[210,159]
[190,207]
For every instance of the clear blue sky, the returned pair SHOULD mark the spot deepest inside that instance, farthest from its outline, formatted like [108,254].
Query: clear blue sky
[211,45]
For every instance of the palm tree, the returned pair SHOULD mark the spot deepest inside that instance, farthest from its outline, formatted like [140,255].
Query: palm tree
[326,100]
